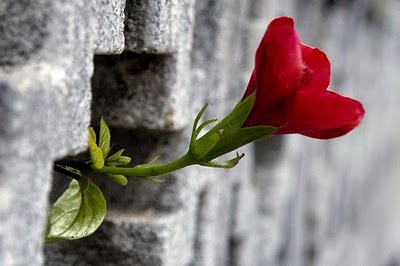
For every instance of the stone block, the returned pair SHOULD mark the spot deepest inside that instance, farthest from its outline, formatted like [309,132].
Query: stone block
[134,239]
[45,99]
[24,26]
[139,91]
[110,19]
[151,81]
[158,26]
[303,202]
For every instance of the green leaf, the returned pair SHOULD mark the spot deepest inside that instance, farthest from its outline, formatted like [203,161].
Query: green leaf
[114,157]
[92,135]
[77,213]
[122,160]
[96,154]
[235,139]
[104,139]
[120,179]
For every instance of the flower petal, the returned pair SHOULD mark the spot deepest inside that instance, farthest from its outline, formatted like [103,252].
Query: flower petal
[317,69]
[277,73]
[323,115]
[278,66]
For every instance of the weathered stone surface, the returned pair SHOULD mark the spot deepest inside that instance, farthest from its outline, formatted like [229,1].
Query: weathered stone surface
[150,86]
[134,239]
[46,65]
[23,27]
[110,21]
[295,201]
[192,199]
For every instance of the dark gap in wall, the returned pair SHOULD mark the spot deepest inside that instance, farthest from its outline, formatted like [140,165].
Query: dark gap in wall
[234,240]
[199,219]
[60,181]
[140,195]
[59,185]
[131,88]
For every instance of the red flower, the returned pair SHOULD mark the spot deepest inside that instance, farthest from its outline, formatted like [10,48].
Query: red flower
[290,81]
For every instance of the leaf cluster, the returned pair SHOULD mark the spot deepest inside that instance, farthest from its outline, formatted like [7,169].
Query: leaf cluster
[81,209]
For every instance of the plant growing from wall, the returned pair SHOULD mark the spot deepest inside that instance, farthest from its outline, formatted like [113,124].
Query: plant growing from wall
[287,93]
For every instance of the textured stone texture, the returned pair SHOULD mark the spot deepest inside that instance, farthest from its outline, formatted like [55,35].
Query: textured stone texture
[46,66]
[110,23]
[290,201]
[148,86]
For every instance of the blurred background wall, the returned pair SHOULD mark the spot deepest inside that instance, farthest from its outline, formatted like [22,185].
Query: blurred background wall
[147,67]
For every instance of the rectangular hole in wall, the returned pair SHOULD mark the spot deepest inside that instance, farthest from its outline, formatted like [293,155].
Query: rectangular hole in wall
[133,90]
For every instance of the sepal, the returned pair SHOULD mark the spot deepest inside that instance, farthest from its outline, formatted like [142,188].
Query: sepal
[223,164]
[227,135]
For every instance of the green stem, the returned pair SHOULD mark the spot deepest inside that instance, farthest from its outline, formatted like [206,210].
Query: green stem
[145,170]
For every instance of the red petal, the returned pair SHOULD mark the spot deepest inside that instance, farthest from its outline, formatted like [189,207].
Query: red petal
[278,66]
[323,115]
[278,70]
[318,68]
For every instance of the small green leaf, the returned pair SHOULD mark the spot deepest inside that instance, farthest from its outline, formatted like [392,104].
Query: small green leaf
[92,135]
[96,154]
[77,213]
[114,157]
[122,160]
[104,139]
[120,179]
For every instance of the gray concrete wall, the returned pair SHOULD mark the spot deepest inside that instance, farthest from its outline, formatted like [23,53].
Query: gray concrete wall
[147,67]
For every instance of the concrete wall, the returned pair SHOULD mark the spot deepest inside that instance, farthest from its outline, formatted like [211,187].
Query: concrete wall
[147,67]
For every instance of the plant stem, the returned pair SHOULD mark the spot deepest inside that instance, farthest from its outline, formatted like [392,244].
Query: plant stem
[63,171]
[147,170]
